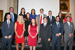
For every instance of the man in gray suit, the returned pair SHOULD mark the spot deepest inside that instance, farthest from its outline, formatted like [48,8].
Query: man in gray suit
[39,19]
[68,33]
[7,32]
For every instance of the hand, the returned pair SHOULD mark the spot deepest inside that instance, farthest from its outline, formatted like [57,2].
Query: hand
[70,35]
[39,38]
[9,36]
[57,34]
[6,37]
[49,39]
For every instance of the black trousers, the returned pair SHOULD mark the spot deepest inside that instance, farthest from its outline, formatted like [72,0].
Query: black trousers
[4,42]
[45,44]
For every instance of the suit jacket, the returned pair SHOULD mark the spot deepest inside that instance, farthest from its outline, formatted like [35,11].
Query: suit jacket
[53,20]
[68,30]
[45,32]
[15,17]
[39,20]
[7,31]
[55,30]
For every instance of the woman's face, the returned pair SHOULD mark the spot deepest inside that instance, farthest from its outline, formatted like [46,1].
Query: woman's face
[28,16]
[60,15]
[33,11]
[20,18]
[23,10]
[33,21]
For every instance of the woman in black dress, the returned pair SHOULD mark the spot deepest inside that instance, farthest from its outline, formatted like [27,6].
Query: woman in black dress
[23,13]
[27,22]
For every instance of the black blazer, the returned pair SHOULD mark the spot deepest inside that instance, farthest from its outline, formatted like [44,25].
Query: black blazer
[53,20]
[45,32]
[7,31]
[15,17]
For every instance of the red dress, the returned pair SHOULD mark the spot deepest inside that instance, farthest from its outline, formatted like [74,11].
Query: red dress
[19,32]
[33,31]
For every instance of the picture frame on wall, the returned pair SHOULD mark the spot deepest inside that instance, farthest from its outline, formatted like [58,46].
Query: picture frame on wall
[64,5]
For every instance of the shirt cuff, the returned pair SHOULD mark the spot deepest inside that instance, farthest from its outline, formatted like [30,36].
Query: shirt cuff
[60,33]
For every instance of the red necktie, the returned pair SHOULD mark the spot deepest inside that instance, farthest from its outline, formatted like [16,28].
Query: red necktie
[41,20]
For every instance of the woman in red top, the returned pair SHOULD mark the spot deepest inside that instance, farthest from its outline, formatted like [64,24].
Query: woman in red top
[19,32]
[32,37]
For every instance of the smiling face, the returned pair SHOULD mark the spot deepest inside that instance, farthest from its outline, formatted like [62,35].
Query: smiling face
[8,17]
[45,20]
[57,19]
[33,21]
[11,10]
[68,18]
[23,10]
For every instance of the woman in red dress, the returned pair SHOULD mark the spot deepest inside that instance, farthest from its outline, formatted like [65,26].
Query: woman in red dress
[32,37]
[19,32]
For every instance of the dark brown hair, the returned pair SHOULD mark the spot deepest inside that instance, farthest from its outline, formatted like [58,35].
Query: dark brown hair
[35,21]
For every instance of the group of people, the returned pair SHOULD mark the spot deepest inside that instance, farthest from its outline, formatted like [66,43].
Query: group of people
[28,29]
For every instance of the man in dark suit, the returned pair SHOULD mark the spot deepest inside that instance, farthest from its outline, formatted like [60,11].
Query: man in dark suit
[13,18]
[68,33]
[45,34]
[57,30]
[51,19]
[7,32]
[13,15]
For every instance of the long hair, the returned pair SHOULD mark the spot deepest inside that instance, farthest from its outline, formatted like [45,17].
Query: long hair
[35,21]
[29,15]
[21,11]
[32,10]
[19,17]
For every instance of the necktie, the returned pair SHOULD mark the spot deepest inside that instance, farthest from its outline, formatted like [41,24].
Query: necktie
[12,17]
[41,20]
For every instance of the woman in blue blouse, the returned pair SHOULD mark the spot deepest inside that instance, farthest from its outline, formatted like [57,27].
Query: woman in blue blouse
[33,15]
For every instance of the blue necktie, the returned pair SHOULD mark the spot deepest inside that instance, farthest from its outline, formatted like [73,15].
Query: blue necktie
[12,17]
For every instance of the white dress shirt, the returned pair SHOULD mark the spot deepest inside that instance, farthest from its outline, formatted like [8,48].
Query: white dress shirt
[8,21]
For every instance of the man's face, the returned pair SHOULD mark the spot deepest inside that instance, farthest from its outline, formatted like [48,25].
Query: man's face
[57,19]
[8,17]
[50,13]
[68,18]
[41,11]
[45,20]
[11,10]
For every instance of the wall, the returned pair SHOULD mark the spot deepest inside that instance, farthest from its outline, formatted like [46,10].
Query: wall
[6,4]
[3,6]
[72,5]
[37,4]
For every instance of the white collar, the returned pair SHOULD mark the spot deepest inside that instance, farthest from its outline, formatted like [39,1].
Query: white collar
[8,21]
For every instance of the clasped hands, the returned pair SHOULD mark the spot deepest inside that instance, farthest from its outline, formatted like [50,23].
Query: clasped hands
[7,37]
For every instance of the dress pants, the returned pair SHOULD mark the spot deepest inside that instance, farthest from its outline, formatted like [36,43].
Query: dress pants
[56,42]
[45,44]
[68,41]
[4,42]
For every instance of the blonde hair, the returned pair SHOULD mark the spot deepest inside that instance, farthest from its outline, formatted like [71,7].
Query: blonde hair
[19,17]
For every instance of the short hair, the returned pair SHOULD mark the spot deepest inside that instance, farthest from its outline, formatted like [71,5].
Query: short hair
[68,16]
[50,11]
[41,9]
[57,16]
[11,7]
[44,18]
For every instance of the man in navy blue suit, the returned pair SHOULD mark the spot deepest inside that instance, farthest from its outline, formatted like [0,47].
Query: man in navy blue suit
[7,32]
[57,30]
